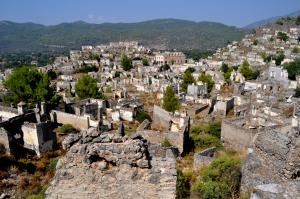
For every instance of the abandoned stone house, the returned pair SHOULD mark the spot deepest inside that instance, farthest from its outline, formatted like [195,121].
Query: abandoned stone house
[166,126]
[26,129]
[126,110]
[83,114]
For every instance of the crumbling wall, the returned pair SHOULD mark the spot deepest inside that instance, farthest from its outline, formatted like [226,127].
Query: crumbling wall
[38,137]
[236,137]
[273,160]
[111,166]
[78,122]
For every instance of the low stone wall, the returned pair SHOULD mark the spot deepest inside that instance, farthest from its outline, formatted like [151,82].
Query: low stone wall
[78,122]
[236,137]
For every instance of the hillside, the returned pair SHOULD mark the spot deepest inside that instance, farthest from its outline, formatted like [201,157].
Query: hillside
[158,34]
[270,20]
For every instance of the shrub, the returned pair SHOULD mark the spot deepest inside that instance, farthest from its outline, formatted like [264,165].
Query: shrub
[52,164]
[142,115]
[66,129]
[182,185]
[211,128]
[219,180]
[203,141]
[166,143]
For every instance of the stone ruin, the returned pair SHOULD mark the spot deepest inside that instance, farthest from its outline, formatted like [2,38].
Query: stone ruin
[204,157]
[272,168]
[112,165]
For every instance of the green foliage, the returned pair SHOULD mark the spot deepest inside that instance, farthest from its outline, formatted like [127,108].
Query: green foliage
[52,75]
[296,50]
[145,62]
[87,68]
[204,141]
[297,92]
[170,101]
[142,115]
[66,129]
[164,67]
[220,180]
[52,164]
[182,186]
[86,87]
[255,42]
[166,143]
[208,80]
[117,74]
[282,36]
[279,59]
[197,54]
[293,69]
[298,21]
[171,33]
[187,79]
[224,68]
[190,69]
[95,57]
[213,128]
[226,71]
[206,135]
[29,85]
[126,63]
[248,72]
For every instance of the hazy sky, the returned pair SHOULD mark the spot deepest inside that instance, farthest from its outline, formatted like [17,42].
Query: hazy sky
[230,12]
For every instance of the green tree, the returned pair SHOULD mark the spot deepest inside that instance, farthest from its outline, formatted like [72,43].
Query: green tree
[29,85]
[224,68]
[298,21]
[248,72]
[170,101]
[293,69]
[190,69]
[279,59]
[86,87]
[187,79]
[145,62]
[296,50]
[282,36]
[208,80]
[164,67]
[126,63]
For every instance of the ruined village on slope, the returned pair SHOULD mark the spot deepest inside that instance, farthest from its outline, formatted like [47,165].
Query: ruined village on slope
[127,145]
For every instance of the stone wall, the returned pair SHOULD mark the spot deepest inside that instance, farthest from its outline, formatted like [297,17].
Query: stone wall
[78,122]
[111,166]
[161,117]
[38,137]
[4,140]
[178,139]
[272,168]
[235,136]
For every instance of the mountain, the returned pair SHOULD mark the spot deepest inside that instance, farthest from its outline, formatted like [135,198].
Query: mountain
[270,20]
[159,34]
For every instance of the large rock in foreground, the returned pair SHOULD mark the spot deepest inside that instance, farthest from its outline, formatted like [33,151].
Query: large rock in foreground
[110,166]
[272,169]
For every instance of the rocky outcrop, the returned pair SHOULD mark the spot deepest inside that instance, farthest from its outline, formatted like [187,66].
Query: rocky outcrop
[103,165]
[273,165]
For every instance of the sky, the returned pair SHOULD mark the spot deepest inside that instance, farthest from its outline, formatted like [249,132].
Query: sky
[231,12]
